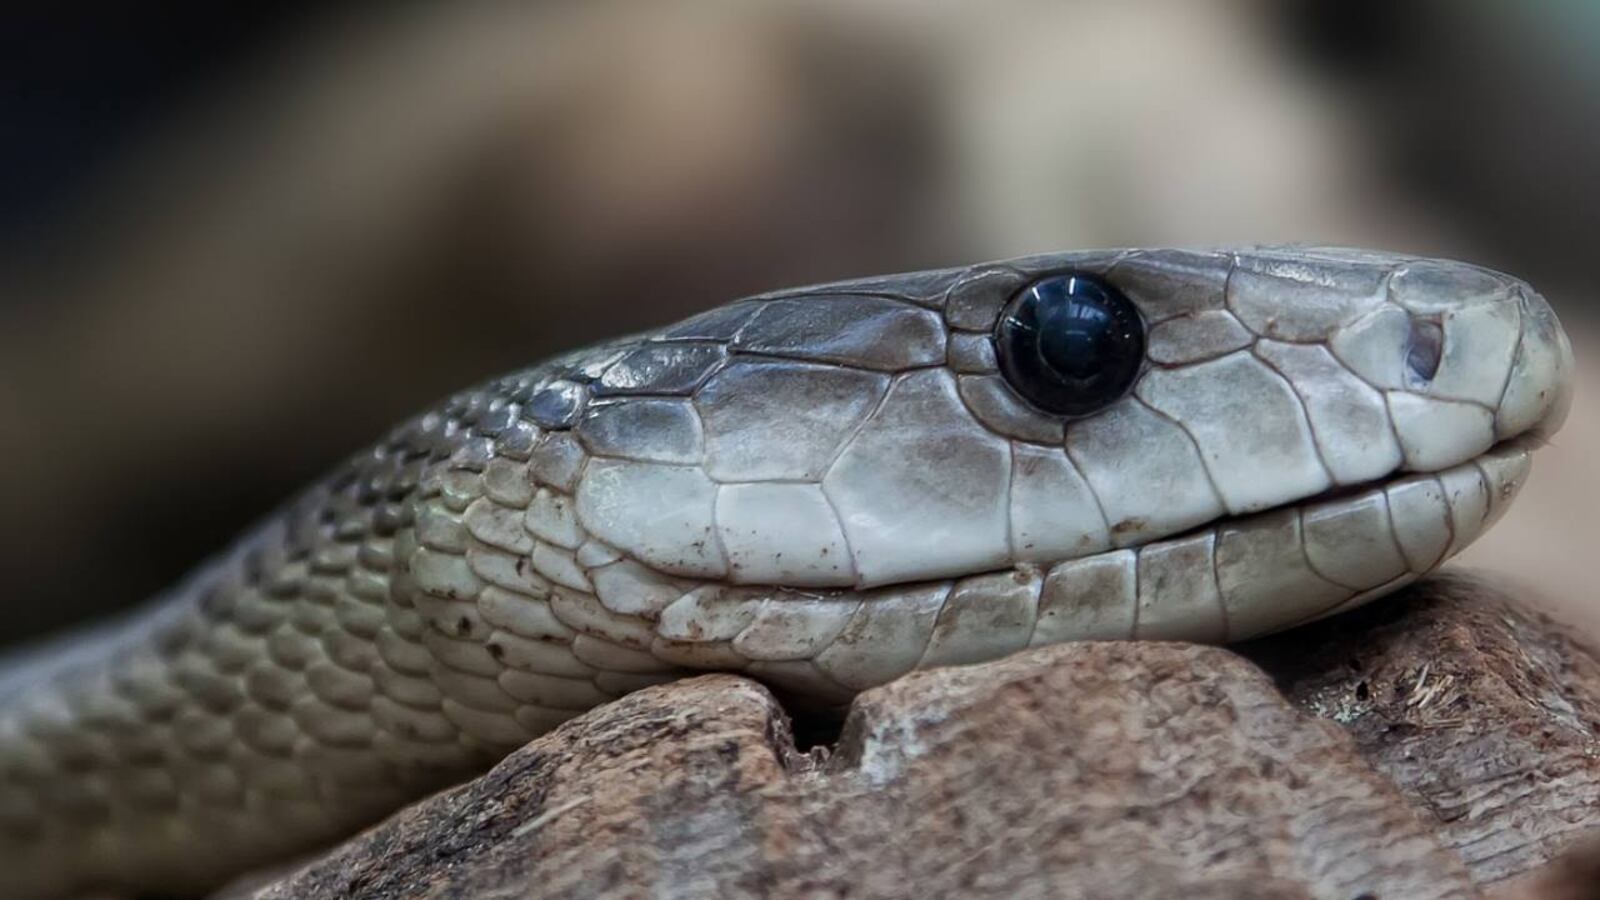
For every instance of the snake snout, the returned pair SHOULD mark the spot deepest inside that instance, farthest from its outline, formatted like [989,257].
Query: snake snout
[1466,358]
[1541,385]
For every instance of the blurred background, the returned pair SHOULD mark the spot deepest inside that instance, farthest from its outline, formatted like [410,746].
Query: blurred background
[239,244]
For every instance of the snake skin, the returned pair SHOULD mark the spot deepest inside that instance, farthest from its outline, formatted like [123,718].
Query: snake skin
[823,488]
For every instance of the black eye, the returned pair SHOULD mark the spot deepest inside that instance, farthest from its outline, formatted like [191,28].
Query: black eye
[1070,344]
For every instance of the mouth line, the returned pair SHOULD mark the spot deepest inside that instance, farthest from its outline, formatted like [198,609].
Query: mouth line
[1340,492]
[1525,441]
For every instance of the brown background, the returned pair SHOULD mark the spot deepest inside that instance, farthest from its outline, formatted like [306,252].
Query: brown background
[233,250]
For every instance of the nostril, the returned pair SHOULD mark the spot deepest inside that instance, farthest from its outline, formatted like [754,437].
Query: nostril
[1424,348]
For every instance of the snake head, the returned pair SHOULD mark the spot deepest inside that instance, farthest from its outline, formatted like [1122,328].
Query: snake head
[831,485]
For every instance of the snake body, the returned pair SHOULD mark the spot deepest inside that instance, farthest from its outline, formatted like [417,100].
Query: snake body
[823,488]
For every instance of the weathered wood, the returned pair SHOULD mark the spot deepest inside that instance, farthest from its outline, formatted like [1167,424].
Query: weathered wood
[1574,876]
[1091,770]
[1442,738]
[1483,711]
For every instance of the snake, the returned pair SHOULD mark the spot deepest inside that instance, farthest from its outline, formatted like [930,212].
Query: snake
[821,488]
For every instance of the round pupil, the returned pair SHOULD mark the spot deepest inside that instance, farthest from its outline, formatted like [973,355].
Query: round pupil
[1070,344]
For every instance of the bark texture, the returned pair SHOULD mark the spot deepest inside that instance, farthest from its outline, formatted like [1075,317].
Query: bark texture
[1439,745]
[1484,712]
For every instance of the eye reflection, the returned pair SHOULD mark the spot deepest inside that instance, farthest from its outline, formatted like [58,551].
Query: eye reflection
[1070,344]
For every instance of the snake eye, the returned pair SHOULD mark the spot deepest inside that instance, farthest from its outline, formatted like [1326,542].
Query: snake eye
[1070,344]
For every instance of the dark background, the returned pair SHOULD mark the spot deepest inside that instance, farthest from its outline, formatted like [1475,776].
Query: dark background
[237,244]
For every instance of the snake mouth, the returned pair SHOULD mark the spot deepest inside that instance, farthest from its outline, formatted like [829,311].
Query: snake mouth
[1521,444]
[1502,469]
[1232,579]
[1320,555]
[1239,577]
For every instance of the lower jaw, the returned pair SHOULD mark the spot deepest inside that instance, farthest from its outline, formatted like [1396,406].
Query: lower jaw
[1240,578]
